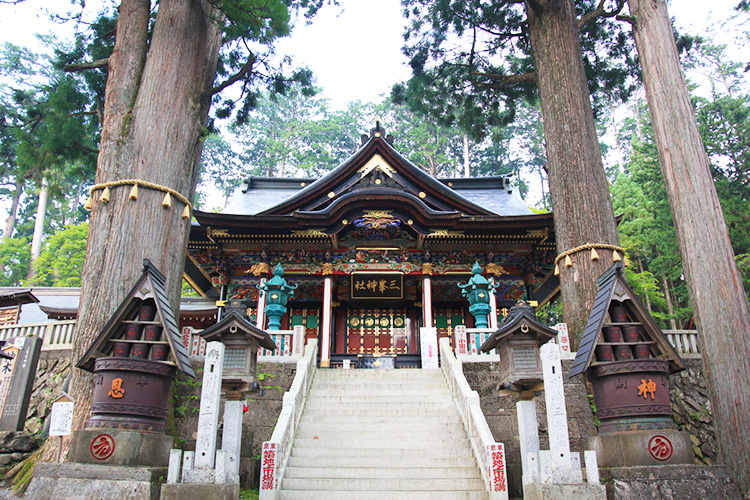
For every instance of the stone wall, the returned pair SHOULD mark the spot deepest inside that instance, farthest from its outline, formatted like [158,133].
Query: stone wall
[691,409]
[500,412]
[51,372]
[258,421]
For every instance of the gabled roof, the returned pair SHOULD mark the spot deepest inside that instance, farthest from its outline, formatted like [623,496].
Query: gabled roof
[17,297]
[613,286]
[240,322]
[520,317]
[149,286]
[375,170]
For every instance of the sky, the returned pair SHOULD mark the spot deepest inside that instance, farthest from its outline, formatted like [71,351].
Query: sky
[355,48]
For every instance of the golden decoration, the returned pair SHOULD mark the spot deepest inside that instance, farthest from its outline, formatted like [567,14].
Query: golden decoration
[495,269]
[422,194]
[258,269]
[377,213]
[399,322]
[378,182]
[384,322]
[310,233]
[327,268]
[443,233]
[376,162]
[344,222]
[427,268]
[410,222]
[331,194]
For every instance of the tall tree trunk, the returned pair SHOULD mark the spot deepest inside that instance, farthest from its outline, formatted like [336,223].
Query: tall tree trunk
[577,184]
[15,197]
[36,240]
[467,170]
[155,111]
[714,283]
[645,295]
[670,305]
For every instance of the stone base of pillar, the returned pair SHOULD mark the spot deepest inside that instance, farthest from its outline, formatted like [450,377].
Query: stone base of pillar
[564,492]
[200,491]
[131,448]
[635,448]
[105,482]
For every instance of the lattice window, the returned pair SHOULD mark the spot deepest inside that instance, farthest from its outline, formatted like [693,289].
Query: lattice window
[524,358]
[234,358]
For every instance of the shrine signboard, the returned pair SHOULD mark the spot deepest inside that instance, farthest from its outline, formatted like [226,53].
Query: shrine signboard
[377,286]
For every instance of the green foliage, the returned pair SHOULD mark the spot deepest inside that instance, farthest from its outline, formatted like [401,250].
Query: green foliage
[463,53]
[15,254]
[61,260]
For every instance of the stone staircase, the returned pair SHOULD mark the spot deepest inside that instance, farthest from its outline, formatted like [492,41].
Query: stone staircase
[369,434]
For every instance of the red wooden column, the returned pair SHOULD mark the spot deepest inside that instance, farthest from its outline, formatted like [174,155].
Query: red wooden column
[325,341]
[427,294]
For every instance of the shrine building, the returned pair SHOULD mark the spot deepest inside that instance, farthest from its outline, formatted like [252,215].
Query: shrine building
[376,249]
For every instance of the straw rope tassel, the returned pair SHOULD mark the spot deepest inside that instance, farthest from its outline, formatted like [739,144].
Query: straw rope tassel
[134,192]
[594,254]
[568,261]
[186,212]
[616,256]
[105,195]
[167,201]
[89,203]
[557,270]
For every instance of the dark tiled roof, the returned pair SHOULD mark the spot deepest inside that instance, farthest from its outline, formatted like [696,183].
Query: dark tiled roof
[240,321]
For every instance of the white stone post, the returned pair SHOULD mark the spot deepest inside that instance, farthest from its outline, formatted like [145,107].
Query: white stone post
[528,437]
[231,439]
[560,464]
[461,342]
[493,310]
[173,472]
[208,418]
[187,464]
[298,340]
[325,342]
[427,300]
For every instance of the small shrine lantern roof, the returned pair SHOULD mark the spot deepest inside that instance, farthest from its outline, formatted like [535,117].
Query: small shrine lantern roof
[520,320]
[613,288]
[236,323]
[149,287]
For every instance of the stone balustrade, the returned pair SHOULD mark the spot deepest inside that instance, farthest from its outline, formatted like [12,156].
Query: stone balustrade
[685,342]
[276,450]
[288,345]
[489,454]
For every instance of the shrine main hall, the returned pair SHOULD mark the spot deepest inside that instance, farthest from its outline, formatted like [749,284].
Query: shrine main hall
[376,249]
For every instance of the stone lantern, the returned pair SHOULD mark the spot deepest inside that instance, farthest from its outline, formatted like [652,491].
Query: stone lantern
[241,339]
[477,292]
[517,341]
[278,292]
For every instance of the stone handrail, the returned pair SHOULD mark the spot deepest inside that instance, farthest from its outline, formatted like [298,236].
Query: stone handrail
[489,453]
[276,450]
[56,335]
[475,338]
[684,341]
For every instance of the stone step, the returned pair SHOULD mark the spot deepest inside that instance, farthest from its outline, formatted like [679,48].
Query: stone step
[415,454]
[385,485]
[380,495]
[379,392]
[407,373]
[366,420]
[393,434]
[321,460]
[381,429]
[317,412]
[382,473]
[367,442]
[445,405]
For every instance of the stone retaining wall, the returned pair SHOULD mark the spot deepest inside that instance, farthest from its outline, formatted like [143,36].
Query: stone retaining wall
[691,409]
[51,372]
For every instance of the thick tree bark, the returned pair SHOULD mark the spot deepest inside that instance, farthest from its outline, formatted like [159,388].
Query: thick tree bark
[155,112]
[714,284]
[577,184]
[10,222]
[36,239]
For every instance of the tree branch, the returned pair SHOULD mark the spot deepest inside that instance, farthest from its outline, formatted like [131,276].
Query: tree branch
[246,68]
[86,148]
[499,80]
[75,68]
[600,11]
